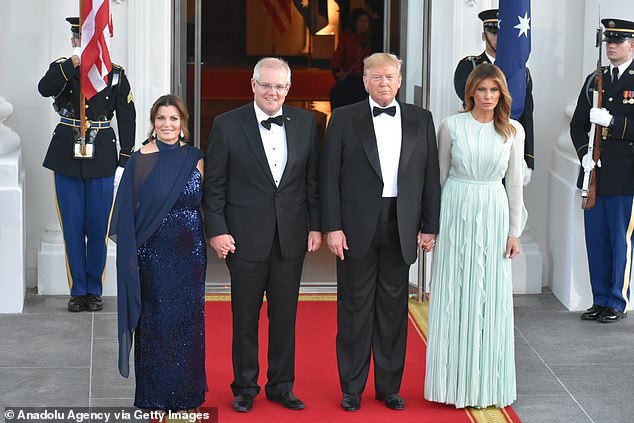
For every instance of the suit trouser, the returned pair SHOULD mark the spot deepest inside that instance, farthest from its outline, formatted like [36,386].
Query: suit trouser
[609,226]
[280,279]
[372,296]
[84,207]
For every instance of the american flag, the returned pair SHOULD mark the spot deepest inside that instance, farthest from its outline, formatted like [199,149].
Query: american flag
[514,47]
[280,11]
[96,31]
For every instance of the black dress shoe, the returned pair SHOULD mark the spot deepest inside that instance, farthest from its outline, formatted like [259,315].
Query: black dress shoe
[592,313]
[393,401]
[242,403]
[610,315]
[288,400]
[94,302]
[76,304]
[351,402]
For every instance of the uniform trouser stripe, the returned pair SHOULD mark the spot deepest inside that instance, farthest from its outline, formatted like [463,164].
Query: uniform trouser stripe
[628,263]
[69,274]
[85,208]
[609,227]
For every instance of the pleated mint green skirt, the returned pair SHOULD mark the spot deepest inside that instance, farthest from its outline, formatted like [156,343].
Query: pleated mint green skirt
[470,349]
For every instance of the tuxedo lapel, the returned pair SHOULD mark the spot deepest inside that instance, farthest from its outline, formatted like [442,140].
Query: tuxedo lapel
[252,133]
[293,137]
[364,127]
[408,141]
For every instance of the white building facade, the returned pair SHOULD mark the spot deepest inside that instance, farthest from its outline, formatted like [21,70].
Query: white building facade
[35,33]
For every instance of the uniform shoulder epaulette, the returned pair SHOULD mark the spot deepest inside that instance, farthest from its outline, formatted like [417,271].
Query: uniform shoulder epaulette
[472,58]
[114,65]
[604,68]
[60,60]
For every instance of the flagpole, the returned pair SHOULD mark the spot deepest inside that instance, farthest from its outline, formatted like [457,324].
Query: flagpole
[82,97]
[310,49]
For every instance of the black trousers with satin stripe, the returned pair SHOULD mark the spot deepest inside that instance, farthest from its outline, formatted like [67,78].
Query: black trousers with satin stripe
[279,279]
[372,297]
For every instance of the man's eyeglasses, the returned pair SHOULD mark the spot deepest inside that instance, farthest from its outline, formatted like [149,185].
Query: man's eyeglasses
[278,88]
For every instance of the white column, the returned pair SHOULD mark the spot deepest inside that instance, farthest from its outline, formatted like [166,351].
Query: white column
[569,264]
[149,44]
[12,245]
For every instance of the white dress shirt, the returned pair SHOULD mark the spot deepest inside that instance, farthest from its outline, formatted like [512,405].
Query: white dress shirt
[274,142]
[389,134]
[622,68]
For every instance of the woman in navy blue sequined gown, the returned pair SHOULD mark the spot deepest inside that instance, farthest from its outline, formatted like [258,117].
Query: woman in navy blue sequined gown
[161,261]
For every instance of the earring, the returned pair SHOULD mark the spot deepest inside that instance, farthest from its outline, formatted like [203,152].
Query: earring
[154,134]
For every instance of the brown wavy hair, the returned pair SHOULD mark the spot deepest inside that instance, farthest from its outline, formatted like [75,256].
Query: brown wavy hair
[170,100]
[502,111]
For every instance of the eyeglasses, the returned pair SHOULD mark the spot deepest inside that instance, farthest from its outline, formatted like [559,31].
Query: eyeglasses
[278,88]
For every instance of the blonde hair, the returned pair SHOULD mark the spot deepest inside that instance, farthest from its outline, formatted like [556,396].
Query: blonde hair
[381,59]
[170,100]
[502,111]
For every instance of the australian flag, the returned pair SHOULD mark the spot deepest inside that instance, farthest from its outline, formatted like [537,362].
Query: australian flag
[315,13]
[514,47]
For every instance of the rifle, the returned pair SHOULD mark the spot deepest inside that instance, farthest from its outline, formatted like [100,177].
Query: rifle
[589,187]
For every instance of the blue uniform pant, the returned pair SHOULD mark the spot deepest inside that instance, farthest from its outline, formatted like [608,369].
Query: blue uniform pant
[609,227]
[84,207]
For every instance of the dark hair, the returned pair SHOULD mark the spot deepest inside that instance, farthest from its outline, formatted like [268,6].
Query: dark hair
[502,111]
[166,101]
[355,15]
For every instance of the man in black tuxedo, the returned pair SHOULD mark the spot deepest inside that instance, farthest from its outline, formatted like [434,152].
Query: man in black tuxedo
[261,210]
[380,199]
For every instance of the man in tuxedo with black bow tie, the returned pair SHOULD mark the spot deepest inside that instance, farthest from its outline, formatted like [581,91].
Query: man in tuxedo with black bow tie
[261,205]
[380,200]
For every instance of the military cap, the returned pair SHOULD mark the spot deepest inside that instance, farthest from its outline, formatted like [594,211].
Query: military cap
[74,25]
[617,30]
[489,19]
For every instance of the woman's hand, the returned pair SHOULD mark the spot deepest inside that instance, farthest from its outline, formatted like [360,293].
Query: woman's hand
[512,247]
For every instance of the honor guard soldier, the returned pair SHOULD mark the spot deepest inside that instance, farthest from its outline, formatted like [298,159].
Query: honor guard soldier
[489,20]
[85,178]
[608,225]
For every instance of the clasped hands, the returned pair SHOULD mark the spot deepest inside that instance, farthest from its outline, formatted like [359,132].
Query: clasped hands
[426,241]
[223,245]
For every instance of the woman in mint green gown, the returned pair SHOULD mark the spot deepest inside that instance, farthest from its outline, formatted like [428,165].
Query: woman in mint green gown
[470,348]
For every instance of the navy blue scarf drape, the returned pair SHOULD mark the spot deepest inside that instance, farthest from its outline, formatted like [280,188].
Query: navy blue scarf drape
[148,190]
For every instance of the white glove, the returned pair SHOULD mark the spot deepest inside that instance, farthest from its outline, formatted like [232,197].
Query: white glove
[587,163]
[117,175]
[77,52]
[528,172]
[600,117]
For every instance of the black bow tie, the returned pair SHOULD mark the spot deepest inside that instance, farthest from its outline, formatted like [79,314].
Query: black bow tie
[278,120]
[389,110]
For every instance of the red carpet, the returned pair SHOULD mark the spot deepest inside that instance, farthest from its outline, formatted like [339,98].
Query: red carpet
[316,373]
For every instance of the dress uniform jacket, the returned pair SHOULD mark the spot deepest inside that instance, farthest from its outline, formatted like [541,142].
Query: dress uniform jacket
[464,68]
[616,174]
[62,82]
